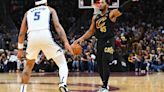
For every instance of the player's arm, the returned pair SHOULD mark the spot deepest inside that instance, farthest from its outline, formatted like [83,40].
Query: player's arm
[58,26]
[115,13]
[89,32]
[21,36]
[126,4]
[22,32]
[60,30]
[91,29]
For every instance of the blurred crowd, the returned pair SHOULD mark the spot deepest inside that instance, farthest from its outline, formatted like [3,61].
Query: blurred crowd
[139,38]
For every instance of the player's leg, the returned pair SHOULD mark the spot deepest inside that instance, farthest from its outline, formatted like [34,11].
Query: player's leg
[107,58]
[63,71]
[106,68]
[32,53]
[104,71]
[26,74]
[99,63]
[99,59]
[56,53]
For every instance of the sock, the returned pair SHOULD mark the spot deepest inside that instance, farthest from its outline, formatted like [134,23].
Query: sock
[63,74]
[23,88]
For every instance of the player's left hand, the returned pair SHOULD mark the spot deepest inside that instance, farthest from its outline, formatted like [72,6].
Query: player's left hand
[68,47]
[20,54]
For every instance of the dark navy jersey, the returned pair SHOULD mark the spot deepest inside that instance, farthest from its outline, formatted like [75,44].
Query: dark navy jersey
[103,27]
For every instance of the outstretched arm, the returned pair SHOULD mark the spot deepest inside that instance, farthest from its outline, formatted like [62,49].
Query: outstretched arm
[126,4]
[118,12]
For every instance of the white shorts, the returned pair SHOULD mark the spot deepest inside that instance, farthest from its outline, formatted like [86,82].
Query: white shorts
[42,41]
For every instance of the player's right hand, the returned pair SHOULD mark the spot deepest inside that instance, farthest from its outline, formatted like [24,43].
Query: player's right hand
[20,54]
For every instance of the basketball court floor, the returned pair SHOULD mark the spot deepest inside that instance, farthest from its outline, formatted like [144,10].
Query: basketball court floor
[85,82]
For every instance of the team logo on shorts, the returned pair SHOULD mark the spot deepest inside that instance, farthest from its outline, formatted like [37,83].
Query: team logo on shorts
[59,50]
[109,50]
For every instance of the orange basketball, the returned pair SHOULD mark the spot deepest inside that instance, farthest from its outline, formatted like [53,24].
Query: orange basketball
[77,49]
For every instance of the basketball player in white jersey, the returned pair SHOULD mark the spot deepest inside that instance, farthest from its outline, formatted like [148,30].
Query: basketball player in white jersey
[36,24]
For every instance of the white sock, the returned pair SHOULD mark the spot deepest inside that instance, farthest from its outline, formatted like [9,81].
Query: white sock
[63,73]
[23,88]
[63,69]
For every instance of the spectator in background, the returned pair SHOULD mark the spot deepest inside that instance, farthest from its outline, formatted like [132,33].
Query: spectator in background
[138,61]
[75,63]
[84,61]
[153,58]
[158,64]
[1,63]
[12,62]
[7,41]
[92,63]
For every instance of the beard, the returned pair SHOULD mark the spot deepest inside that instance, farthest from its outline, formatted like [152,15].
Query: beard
[103,8]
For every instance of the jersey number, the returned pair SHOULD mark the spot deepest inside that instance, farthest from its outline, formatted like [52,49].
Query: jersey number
[36,16]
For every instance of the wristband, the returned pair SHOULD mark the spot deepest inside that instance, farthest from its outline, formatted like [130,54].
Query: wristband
[20,45]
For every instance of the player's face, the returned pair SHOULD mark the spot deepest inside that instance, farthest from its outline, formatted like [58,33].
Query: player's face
[102,5]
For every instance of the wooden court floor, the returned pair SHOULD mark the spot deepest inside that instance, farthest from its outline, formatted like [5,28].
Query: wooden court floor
[85,82]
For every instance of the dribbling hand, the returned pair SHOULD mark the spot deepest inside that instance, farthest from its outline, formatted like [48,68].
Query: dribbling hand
[78,41]
[68,47]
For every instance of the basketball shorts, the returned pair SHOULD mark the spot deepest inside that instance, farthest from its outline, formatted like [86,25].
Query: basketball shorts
[105,50]
[42,41]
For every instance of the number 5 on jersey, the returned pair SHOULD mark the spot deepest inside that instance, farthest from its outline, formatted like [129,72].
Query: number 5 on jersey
[36,16]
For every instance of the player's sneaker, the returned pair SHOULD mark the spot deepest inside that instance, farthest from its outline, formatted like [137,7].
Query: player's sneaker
[63,88]
[103,90]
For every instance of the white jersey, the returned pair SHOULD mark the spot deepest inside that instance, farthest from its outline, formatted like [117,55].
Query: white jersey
[38,18]
[39,35]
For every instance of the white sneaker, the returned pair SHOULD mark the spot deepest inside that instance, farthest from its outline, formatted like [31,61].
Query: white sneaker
[103,90]
[63,88]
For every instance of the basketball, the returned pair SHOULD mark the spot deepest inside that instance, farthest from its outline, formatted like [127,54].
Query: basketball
[77,49]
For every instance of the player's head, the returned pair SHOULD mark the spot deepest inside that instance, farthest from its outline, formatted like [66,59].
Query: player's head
[103,4]
[40,2]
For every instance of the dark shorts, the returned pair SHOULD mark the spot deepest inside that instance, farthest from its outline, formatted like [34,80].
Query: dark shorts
[105,50]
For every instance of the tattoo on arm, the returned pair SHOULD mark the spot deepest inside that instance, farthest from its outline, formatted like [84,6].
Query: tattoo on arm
[58,26]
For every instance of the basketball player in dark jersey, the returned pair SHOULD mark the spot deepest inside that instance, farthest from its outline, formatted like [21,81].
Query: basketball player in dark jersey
[101,26]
